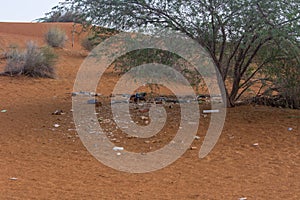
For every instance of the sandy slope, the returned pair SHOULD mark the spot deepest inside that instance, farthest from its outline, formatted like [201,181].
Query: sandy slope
[52,163]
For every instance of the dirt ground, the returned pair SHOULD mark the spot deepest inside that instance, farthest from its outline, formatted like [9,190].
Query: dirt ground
[39,161]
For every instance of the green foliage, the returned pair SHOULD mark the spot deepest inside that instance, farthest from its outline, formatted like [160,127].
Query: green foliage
[96,36]
[33,62]
[146,56]
[56,37]
[90,42]
[284,71]
[60,16]
[233,32]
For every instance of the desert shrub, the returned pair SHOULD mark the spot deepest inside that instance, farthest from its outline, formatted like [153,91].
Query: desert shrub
[56,37]
[288,85]
[15,60]
[34,61]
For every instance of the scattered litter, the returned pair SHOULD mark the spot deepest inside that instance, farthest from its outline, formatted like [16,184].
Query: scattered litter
[290,129]
[3,111]
[118,148]
[144,118]
[197,137]
[119,101]
[203,97]
[160,100]
[106,121]
[92,101]
[56,125]
[13,179]
[74,94]
[145,110]
[93,94]
[141,96]
[193,148]
[243,198]
[118,154]
[131,136]
[58,112]
[210,111]
[256,144]
[231,137]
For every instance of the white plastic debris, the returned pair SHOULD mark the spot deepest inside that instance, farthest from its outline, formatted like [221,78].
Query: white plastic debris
[210,111]
[56,125]
[3,111]
[144,118]
[118,148]
[197,137]
[13,179]
[243,198]
[256,144]
[290,129]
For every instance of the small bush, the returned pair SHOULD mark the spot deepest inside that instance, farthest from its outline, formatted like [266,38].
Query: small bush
[34,61]
[15,61]
[56,37]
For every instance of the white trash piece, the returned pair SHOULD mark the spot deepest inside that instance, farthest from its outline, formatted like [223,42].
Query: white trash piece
[210,111]
[118,148]
[255,144]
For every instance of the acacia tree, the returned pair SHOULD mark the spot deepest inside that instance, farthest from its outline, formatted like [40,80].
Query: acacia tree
[232,31]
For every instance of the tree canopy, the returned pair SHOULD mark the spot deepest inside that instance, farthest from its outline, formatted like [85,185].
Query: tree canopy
[242,36]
